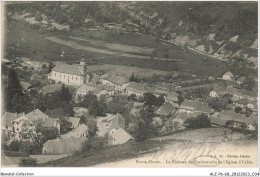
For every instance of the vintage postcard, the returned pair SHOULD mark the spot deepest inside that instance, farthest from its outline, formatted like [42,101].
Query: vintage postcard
[129,84]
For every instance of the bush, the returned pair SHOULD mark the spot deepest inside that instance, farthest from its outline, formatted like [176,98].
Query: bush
[201,121]
[14,154]
[28,162]
[95,143]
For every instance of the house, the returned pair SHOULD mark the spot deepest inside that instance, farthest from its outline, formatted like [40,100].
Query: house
[135,112]
[240,93]
[166,109]
[36,115]
[218,91]
[27,122]
[74,122]
[105,124]
[172,97]
[187,107]
[80,111]
[160,91]
[104,90]
[50,89]
[228,76]
[119,136]
[35,65]
[241,80]
[201,107]
[136,88]
[226,118]
[138,104]
[177,121]
[119,82]
[81,131]
[63,146]
[7,123]
[85,89]
[25,85]
[69,74]
[23,125]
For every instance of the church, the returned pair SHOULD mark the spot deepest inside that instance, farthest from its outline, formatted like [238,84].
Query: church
[69,74]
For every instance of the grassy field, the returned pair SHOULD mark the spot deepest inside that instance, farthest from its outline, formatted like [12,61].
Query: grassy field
[127,70]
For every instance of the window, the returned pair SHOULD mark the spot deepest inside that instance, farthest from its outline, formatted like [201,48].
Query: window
[55,74]
[17,129]
[60,75]
[64,75]
[76,78]
[71,77]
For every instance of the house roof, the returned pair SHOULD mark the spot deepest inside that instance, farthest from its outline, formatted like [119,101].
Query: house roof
[87,87]
[161,90]
[74,121]
[117,116]
[68,69]
[75,132]
[183,116]
[228,115]
[49,89]
[242,92]
[49,122]
[63,146]
[171,96]
[201,107]
[229,73]
[8,117]
[137,87]
[187,104]
[165,109]
[120,135]
[25,85]
[242,79]
[36,115]
[23,118]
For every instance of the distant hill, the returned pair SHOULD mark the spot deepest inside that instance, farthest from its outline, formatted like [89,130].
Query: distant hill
[222,29]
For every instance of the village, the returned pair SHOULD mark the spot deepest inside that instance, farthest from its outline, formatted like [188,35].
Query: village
[70,106]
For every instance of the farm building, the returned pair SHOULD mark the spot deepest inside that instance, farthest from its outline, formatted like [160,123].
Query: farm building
[136,88]
[63,146]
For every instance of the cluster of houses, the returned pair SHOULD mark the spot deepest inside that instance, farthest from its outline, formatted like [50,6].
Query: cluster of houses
[172,114]
[22,127]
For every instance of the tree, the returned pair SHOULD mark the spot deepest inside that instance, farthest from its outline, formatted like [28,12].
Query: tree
[238,109]
[201,121]
[88,98]
[93,129]
[160,100]
[118,105]
[51,66]
[65,125]
[96,108]
[149,99]
[48,133]
[145,129]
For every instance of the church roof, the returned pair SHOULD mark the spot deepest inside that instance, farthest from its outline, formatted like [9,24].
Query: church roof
[68,69]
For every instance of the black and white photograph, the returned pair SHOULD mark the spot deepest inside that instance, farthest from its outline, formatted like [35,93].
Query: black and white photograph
[129,84]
